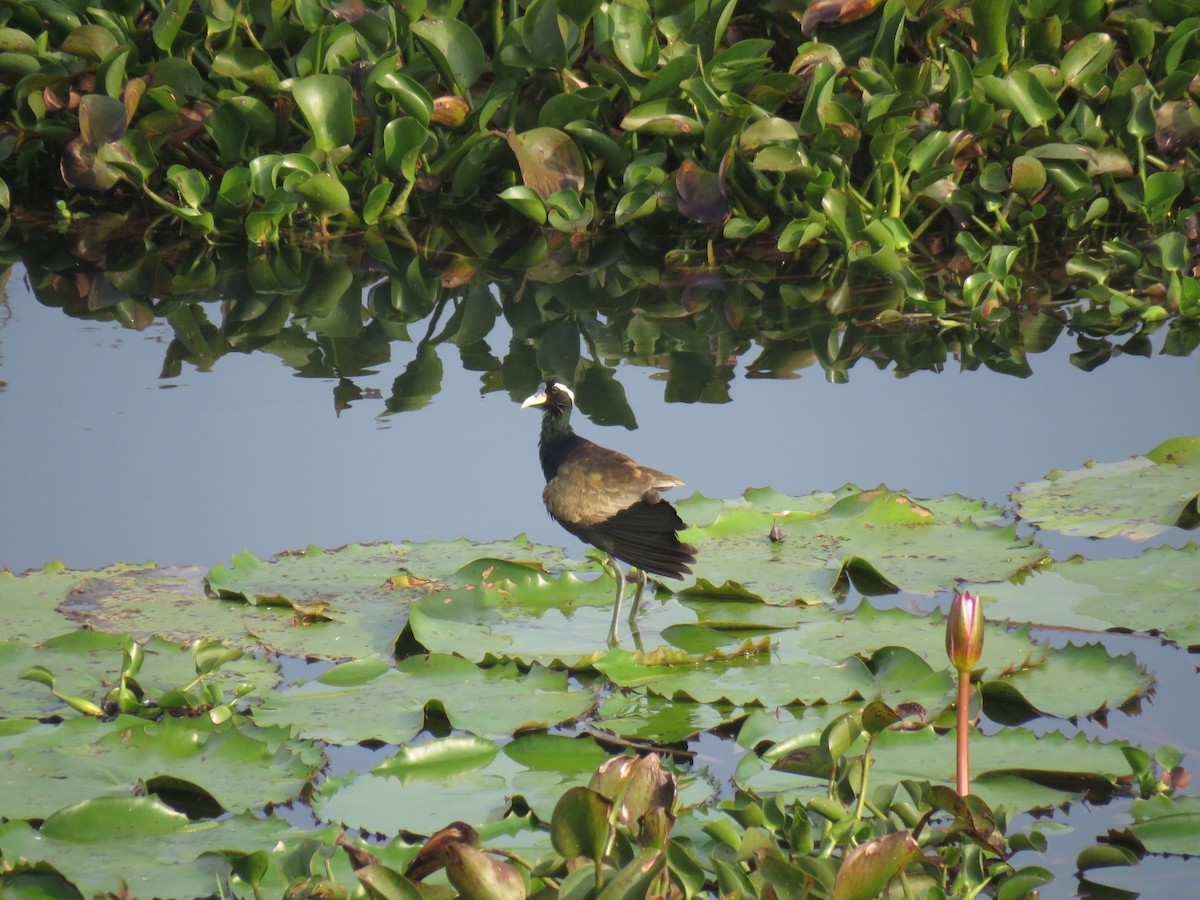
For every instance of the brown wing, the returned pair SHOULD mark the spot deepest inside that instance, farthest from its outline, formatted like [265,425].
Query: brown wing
[597,483]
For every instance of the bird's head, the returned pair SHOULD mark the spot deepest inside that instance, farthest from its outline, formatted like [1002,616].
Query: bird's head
[553,395]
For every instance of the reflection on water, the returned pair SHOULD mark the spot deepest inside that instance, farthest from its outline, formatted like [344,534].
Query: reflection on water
[324,400]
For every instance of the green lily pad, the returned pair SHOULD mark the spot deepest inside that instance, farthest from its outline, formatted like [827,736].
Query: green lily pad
[136,846]
[1152,592]
[1074,681]
[762,680]
[867,630]
[496,702]
[1167,824]
[458,778]
[240,765]
[1013,768]
[29,602]
[1137,498]
[85,663]
[633,715]
[884,537]
[551,621]
[353,602]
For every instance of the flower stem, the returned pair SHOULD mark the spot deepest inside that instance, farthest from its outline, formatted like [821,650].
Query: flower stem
[963,757]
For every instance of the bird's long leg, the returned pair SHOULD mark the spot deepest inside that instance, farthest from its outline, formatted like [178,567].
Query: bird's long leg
[640,578]
[620,576]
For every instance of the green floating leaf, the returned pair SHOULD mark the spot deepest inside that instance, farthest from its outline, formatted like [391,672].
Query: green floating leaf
[1152,592]
[30,601]
[84,664]
[1075,680]
[389,705]
[1014,768]
[134,844]
[763,681]
[1167,824]
[920,548]
[1136,498]
[239,765]
[460,778]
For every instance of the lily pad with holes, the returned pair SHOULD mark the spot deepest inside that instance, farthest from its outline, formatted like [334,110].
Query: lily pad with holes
[1136,498]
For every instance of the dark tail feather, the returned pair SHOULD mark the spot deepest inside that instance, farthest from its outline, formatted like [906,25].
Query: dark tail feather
[644,537]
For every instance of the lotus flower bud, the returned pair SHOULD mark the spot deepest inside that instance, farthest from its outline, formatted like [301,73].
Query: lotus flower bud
[964,631]
[478,876]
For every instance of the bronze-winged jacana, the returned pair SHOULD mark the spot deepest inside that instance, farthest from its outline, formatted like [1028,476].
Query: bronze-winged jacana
[607,500]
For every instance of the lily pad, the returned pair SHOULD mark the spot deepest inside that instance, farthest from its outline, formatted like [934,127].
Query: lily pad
[240,765]
[766,681]
[351,602]
[496,702]
[134,845]
[633,715]
[551,621]
[1136,498]
[1014,768]
[1167,824]
[1074,681]
[85,663]
[29,602]
[1152,592]
[884,537]
[465,778]
[867,629]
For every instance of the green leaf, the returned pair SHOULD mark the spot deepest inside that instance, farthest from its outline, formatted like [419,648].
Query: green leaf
[1148,592]
[1167,824]
[579,824]
[326,195]
[327,105]
[1021,91]
[250,65]
[1088,56]
[169,22]
[1138,498]
[455,50]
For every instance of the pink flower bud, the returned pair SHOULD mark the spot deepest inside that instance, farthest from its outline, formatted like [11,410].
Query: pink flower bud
[964,631]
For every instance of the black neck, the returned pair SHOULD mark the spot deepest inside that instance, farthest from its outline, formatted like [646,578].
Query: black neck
[556,438]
